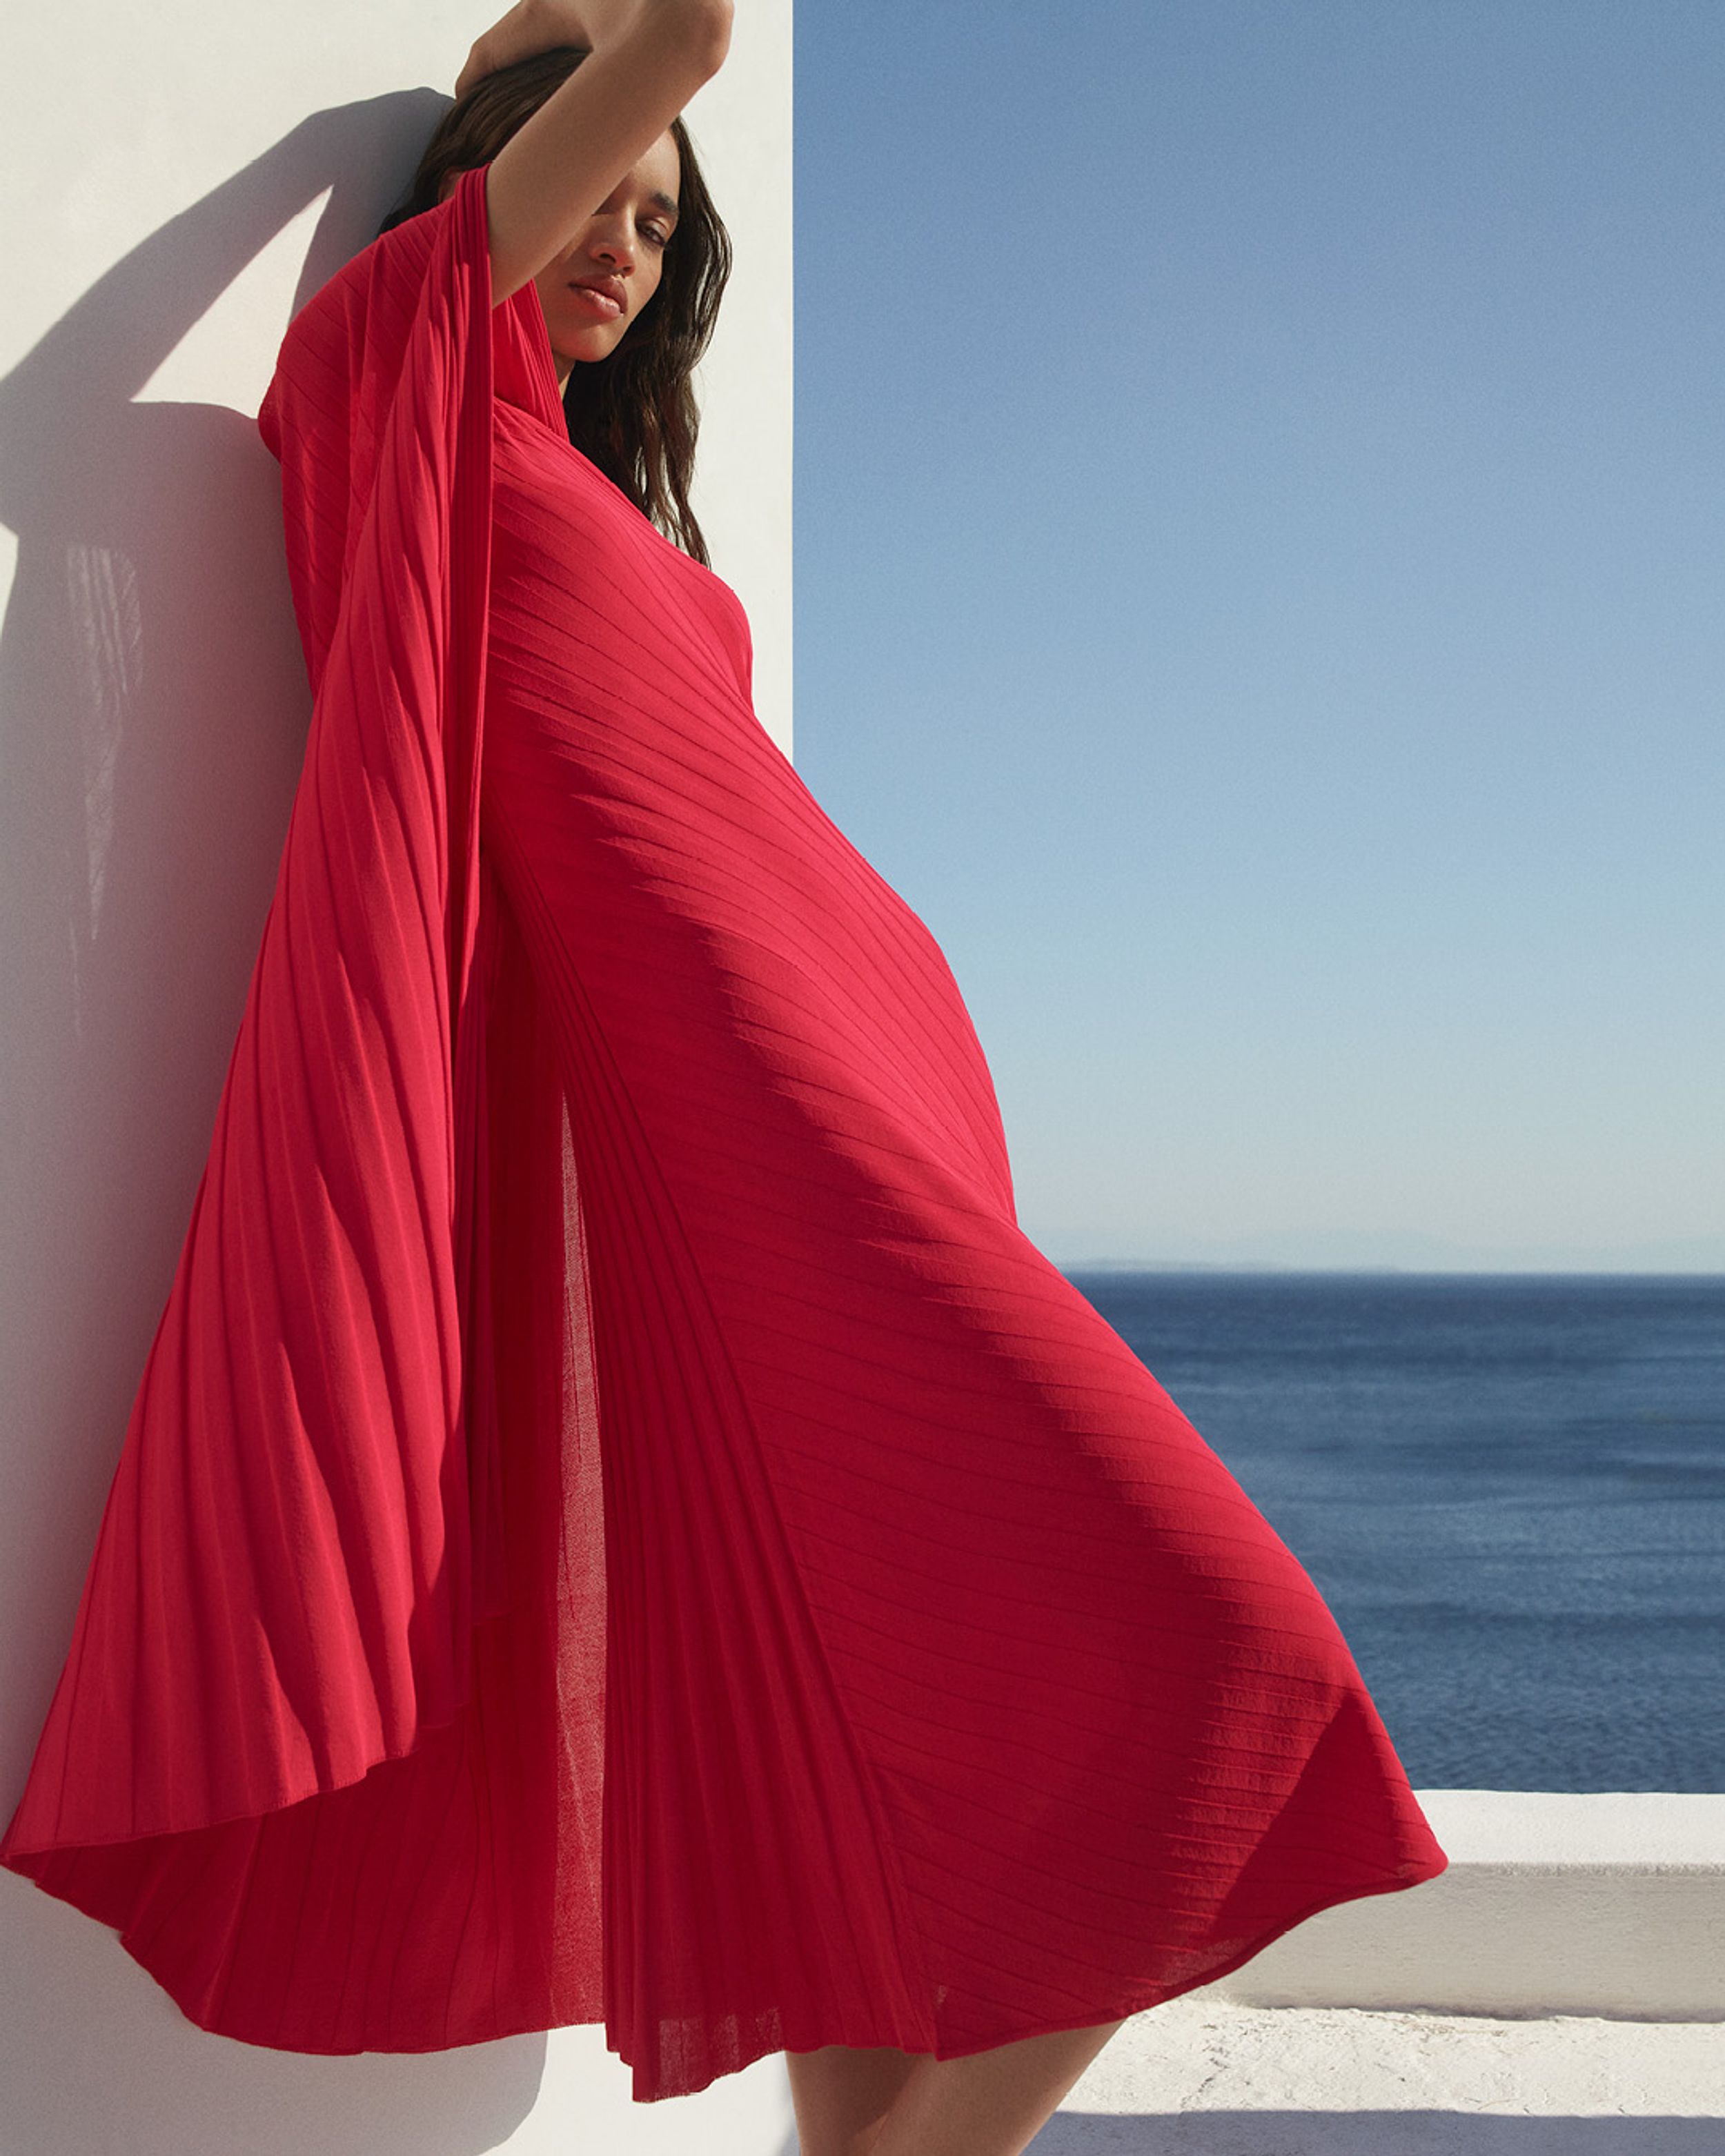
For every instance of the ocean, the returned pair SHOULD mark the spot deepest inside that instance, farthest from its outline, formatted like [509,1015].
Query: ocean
[1510,1490]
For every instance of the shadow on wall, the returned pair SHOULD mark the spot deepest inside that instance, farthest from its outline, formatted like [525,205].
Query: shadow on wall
[153,713]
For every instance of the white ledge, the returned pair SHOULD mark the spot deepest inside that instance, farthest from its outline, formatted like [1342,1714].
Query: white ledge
[1611,1904]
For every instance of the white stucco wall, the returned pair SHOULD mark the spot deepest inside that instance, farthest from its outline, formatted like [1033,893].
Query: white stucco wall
[176,179]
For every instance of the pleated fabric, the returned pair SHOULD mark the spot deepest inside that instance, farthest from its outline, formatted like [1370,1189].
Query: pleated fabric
[618,1523]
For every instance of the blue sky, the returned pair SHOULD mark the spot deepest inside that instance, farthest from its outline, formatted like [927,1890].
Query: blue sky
[1261,543]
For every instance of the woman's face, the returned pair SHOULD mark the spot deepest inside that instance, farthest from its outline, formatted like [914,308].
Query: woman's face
[619,249]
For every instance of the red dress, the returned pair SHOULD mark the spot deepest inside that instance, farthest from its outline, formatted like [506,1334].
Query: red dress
[618,1523]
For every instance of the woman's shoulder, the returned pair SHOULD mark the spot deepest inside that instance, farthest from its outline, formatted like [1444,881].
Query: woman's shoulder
[349,340]
[390,270]
[386,354]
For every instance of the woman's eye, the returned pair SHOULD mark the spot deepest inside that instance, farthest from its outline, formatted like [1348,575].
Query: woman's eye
[657,235]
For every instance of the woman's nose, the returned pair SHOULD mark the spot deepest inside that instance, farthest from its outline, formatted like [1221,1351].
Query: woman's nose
[614,243]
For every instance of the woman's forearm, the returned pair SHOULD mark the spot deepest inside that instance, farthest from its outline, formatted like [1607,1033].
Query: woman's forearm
[646,59]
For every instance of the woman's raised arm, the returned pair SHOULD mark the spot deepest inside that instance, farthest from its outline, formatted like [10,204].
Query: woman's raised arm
[645,59]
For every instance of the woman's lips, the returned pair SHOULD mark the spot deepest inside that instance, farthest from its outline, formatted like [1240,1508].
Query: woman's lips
[602,303]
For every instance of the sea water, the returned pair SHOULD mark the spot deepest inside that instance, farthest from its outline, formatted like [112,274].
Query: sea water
[1510,1490]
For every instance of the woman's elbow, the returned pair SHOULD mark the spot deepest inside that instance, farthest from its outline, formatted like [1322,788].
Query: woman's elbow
[703,27]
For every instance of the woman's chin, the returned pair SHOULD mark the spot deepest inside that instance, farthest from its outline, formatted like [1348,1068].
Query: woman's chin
[575,343]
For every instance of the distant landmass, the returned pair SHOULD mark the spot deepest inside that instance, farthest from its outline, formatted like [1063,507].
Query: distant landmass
[1210,1265]
[1365,1251]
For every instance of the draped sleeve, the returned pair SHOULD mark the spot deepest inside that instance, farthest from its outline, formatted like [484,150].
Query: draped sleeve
[285,1584]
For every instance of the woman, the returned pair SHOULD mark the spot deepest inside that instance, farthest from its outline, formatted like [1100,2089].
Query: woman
[618,1523]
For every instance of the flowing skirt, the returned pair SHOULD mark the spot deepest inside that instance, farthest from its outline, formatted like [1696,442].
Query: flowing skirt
[955,1690]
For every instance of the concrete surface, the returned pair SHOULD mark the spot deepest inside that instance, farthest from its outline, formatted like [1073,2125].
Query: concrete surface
[1611,1904]
[1204,2076]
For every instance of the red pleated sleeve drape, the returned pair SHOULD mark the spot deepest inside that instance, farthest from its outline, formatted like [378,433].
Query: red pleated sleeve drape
[307,1524]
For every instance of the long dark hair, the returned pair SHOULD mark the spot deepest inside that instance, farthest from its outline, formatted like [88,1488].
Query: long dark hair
[633,412]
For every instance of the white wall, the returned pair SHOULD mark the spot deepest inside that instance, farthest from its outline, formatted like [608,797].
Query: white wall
[176,179]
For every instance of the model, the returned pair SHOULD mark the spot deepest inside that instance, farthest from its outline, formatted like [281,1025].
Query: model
[618,1523]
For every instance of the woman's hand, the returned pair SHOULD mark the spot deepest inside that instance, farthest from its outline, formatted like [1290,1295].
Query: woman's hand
[535,26]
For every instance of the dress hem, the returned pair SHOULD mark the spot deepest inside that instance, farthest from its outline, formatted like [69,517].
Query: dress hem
[1136,1999]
